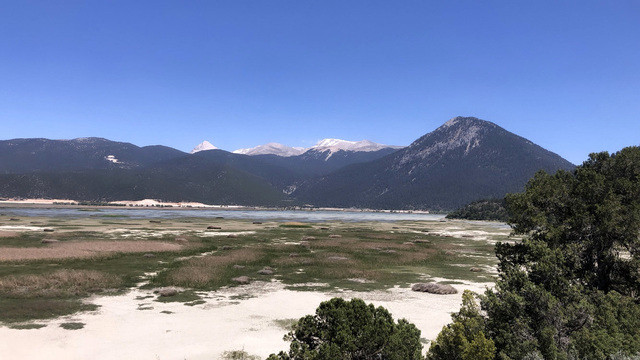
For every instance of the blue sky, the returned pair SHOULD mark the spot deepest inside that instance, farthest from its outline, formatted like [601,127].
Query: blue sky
[565,75]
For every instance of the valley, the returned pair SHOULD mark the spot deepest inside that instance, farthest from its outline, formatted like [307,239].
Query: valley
[124,260]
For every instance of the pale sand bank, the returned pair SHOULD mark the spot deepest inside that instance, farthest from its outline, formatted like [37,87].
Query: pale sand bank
[119,331]
[144,203]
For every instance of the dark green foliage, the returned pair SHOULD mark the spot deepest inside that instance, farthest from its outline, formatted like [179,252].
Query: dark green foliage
[351,330]
[592,215]
[464,339]
[616,321]
[571,288]
[579,262]
[492,209]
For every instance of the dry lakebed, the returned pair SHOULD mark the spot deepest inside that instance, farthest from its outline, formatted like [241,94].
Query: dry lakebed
[107,286]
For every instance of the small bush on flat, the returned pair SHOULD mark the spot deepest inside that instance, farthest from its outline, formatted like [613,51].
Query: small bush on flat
[351,330]
[238,355]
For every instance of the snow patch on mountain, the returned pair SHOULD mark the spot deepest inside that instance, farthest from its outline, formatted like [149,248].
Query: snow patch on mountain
[272,149]
[112,159]
[203,146]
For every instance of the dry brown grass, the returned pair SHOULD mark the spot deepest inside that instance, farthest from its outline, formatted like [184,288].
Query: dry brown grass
[200,271]
[61,283]
[6,234]
[84,249]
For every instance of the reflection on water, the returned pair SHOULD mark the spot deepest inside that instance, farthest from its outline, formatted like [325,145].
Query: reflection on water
[284,215]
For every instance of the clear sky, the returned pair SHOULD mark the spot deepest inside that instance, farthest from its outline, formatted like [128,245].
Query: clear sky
[564,74]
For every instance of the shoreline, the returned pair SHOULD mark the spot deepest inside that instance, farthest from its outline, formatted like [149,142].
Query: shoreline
[158,205]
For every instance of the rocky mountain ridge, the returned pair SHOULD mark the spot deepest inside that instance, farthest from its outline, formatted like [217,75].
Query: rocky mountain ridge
[463,160]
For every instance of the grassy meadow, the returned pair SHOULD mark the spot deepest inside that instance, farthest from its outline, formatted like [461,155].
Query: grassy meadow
[45,274]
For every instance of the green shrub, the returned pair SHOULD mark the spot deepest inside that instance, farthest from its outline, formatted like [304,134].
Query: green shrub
[464,339]
[351,330]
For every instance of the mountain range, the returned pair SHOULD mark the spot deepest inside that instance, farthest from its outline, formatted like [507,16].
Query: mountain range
[327,146]
[463,160]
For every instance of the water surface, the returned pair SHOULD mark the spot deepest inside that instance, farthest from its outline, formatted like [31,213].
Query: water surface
[281,215]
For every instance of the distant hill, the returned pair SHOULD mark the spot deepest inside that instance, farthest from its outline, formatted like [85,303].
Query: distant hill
[96,169]
[322,162]
[463,160]
[27,155]
[191,179]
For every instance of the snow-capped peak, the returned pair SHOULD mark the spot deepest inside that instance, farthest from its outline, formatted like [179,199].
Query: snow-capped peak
[273,149]
[334,145]
[338,144]
[328,146]
[205,145]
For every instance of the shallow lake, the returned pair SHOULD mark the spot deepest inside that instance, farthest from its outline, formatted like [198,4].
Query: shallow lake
[282,215]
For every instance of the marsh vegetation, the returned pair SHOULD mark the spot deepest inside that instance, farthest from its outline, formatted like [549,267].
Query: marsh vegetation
[41,279]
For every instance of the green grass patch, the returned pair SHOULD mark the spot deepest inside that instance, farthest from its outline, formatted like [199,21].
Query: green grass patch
[296,226]
[183,297]
[238,355]
[286,324]
[195,302]
[27,326]
[21,310]
[72,325]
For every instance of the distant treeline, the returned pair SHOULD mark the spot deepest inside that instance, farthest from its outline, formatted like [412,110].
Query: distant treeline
[488,209]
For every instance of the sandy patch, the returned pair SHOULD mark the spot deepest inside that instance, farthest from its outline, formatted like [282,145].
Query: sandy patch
[120,331]
[463,234]
[224,233]
[124,233]
[153,202]
[38,201]
[83,249]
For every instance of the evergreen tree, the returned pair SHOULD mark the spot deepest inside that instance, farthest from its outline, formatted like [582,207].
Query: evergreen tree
[351,330]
